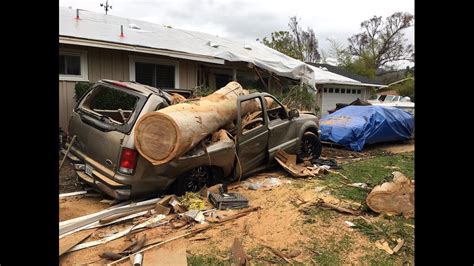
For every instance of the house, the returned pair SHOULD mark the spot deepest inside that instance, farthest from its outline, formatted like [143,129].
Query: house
[95,46]
[337,85]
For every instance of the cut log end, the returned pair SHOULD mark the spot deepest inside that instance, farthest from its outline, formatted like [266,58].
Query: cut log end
[158,136]
[393,198]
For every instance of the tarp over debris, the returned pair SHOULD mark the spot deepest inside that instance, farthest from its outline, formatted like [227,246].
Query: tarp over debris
[355,126]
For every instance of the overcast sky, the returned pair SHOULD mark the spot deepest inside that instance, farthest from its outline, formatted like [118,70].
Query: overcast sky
[252,19]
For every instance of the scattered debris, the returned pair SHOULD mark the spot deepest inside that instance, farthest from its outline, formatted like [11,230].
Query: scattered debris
[399,245]
[288,162]
[70,194]
[90,220]
[329,162]
[228,201]
[293,254]
[322,203]
[159,242]
[394,198]
[150,221]
[278,253]
[110,255]
[267,184]
[350,224]
[383,245]
[193,201]
[68,242]
[238,254]
[363,186]
[195,215]
[137,261]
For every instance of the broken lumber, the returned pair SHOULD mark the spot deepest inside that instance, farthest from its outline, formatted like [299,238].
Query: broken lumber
[170,132]
[153,244]
[394,198]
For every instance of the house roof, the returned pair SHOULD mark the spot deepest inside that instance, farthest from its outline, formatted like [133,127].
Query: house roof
[324,76]
[100,30]
[348,74]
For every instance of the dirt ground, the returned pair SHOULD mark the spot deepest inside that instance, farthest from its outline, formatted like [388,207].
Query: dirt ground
[280,223]
[67,178]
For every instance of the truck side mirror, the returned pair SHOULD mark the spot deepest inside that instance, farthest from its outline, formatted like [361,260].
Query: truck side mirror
[293,113]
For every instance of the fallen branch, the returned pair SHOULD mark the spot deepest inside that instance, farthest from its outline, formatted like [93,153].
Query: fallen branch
[322,203]
[159,243]
[337,173]
[278,253]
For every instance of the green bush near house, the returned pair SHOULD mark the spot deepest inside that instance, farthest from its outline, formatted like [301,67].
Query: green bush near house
[107,99]
[80,89]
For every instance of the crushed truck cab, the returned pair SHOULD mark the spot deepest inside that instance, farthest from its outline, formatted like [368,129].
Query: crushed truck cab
[105,155]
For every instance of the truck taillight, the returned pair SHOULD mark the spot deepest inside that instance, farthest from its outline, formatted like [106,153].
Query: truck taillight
[128,161]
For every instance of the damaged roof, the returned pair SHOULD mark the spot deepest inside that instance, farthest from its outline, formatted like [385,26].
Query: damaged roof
[100,30]
[323,75]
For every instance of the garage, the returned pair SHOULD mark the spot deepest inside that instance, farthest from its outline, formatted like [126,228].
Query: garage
[333,95]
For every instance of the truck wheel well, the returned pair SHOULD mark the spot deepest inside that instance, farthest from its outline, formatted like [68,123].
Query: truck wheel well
[312,130]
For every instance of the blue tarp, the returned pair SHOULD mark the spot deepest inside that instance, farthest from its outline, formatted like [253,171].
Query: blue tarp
[355,126]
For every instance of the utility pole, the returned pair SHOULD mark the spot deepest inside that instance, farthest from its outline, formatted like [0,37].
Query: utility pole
[106,6]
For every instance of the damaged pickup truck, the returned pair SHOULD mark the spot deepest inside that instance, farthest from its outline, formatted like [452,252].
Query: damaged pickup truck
[105,156]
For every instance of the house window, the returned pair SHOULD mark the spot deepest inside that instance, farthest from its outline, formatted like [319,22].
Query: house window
[159,76]
[222,80]
[353,91]
[325,90]
[72,65]
[348,91]
[331,90]
[343,90]
[336,90]
[154,72]
[359,91]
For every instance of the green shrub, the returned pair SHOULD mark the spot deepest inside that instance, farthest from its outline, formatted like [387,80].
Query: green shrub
[80,89]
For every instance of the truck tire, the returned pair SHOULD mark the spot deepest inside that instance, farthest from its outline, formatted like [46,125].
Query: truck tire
[310,147]
[192,180]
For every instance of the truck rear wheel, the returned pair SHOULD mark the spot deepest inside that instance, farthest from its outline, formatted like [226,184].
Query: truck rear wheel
[310,147]
[192,180]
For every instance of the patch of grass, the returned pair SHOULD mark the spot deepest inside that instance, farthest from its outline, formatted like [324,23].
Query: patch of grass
[197,260]
[390,229]
[378,257]
[314,213]
[332,253]
[370,171]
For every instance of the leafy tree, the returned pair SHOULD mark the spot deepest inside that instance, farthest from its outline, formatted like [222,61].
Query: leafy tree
[297,43]
[381,41]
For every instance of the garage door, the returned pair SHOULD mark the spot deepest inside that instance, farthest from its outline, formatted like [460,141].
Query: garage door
[331,96]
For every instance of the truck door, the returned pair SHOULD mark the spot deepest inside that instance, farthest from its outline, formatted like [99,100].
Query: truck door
[252,132]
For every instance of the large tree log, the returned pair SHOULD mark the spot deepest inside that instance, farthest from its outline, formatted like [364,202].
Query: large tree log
[394,198]
[166,134]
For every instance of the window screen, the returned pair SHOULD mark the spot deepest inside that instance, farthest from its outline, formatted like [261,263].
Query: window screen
[160,76]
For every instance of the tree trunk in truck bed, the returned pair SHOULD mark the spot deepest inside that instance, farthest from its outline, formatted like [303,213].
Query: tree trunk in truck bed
[168,133]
